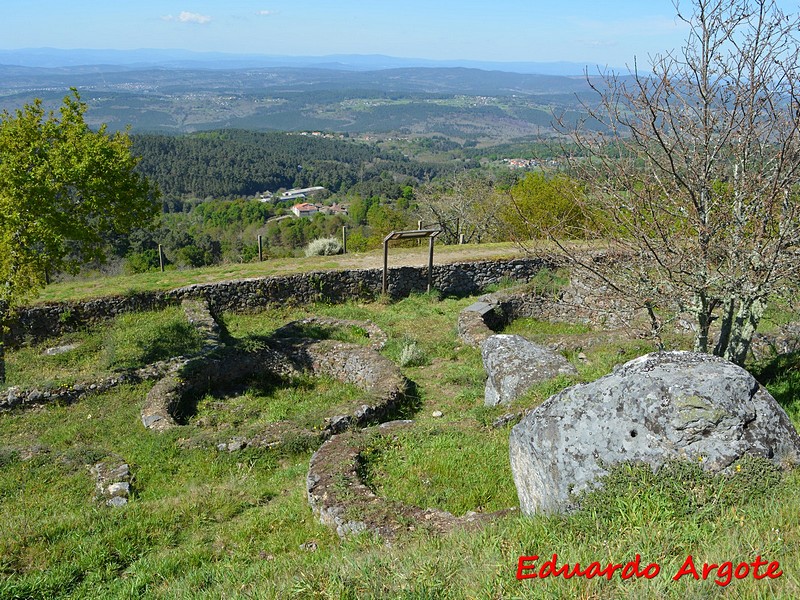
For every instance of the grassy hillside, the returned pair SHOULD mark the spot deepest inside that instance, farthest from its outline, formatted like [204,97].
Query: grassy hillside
[204,523]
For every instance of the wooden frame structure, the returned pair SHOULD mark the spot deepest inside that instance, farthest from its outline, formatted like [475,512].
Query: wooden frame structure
[413,234]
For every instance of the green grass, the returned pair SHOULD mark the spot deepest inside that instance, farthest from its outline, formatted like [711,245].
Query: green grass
[443,467]
[129,342]
[537,329]
[138,339]
[303,401]
[208,524]
[779,312]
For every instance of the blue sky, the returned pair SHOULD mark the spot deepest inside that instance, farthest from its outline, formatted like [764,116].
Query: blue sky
[592,31]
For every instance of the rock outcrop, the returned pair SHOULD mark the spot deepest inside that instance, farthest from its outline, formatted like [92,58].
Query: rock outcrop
[112,483]
[514,364]
[662,406]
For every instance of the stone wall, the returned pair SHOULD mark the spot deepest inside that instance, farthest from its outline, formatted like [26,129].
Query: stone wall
[584,300]
[36,323]
[340,499]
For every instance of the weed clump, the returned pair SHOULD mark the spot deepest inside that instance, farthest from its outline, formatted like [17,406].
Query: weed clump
[412,355]
[679,489]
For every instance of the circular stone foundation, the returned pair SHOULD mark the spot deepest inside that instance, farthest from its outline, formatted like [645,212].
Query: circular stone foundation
[287,353]
[340,499]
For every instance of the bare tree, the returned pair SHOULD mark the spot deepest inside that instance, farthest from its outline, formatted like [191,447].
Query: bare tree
[466,204]
[694,180]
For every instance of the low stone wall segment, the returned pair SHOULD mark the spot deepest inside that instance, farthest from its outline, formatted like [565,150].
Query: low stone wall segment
[286,353]
[199,317]
[340,499]
[36,323]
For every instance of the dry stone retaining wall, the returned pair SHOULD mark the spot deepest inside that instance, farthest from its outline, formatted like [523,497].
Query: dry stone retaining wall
[578,302]
[41,322]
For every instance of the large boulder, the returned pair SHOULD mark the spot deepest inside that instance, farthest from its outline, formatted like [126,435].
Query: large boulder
[514,364]
[662,406]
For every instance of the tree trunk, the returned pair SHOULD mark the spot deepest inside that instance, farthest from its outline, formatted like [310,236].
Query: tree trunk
[743,328]
[703,312]
[655,325]
[725,330]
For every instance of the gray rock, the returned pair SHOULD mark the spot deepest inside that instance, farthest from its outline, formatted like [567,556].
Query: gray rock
[784,340]
[505,419]
[339,423]
[662,406]
[514,364]
[112,482]
[236,444]
[121,473]
[59,349]
[120,489]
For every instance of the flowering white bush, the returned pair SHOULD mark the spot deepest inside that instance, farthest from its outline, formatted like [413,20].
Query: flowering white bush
[324,247]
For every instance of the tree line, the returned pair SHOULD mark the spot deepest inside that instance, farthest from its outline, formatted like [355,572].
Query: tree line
[230,164]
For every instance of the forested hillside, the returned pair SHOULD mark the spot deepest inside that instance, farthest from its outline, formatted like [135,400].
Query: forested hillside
[235,163]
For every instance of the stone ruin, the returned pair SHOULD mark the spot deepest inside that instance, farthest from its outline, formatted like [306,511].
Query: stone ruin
[339,497]
[658,407]
[287,352]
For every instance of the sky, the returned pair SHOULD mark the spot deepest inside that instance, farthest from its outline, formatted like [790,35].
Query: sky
[610,32]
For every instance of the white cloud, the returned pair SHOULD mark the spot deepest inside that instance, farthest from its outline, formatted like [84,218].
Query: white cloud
[266,13]
[189,17]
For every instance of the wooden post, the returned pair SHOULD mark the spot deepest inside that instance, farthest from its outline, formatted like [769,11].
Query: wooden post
[385,265]
[461,238]
[430,264]
[419,226]
[344,239]
[260,250]
[458,227]
[160,258]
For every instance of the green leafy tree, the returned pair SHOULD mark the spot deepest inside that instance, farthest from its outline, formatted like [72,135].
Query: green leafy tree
[541,207]
[64,189]
[382,220]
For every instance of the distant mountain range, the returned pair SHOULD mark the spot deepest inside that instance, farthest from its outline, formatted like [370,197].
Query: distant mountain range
[185,59]
[176,91]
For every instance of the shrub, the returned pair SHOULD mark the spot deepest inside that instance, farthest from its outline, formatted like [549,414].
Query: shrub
[412,355]
[141,262]
[324,247]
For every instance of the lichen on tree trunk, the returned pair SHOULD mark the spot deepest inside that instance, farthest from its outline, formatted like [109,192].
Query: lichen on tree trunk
[742,327]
